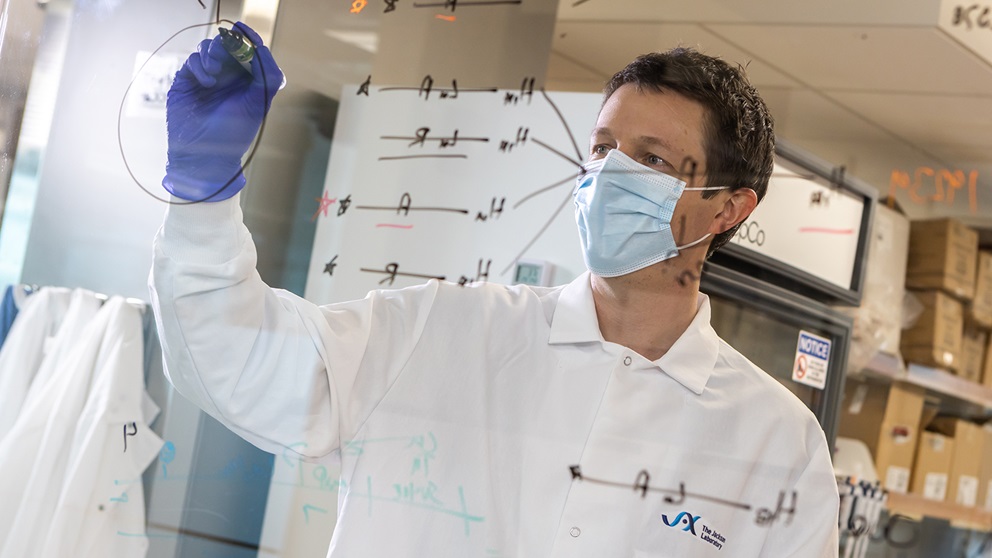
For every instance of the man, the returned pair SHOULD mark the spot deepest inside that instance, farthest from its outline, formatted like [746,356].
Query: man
[601,418]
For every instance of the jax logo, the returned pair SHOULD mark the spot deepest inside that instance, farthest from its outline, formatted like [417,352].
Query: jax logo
[683,518]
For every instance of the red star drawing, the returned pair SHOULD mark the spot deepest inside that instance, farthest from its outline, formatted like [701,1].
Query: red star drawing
[325,203]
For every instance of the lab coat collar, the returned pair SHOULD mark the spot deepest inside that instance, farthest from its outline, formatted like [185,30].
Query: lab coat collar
[691,359]
[574,320]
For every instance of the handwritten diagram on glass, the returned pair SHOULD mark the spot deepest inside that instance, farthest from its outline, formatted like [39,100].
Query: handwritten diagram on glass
[451,181]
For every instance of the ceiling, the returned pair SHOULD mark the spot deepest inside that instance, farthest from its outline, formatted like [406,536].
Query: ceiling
[876,88]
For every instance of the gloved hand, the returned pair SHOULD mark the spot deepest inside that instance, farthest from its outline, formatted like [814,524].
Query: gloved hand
[213,111]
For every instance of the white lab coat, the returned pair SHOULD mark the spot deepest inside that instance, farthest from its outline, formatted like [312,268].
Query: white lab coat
[101,510]
[34,457]
[83,307]
[24,349]
[459,413]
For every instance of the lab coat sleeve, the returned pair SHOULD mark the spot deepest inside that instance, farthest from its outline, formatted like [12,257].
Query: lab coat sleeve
[274,368]
[812,532]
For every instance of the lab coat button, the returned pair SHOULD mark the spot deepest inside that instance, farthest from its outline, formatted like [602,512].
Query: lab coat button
[575,532]
[626,361]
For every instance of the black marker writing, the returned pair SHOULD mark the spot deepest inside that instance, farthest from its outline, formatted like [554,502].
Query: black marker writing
[435,156]
[818,198]
[405,207]
[507,146]
[329,266]
[422,136]
[689,277]
[494,211]
[134,427]
[564,123]
[392,271]
[390,6]
[687,170]
[364,88]
[344,204]
[451,93]
[481,274]
[681,498]
[551,219]
[642,482]
[642,485]
[763,517]
[452,4]
[766,516]
[526,91]
[427,87]
[559,153]
[542,190]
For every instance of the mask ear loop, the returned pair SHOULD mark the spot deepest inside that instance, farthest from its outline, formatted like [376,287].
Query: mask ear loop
[709,188]
[694,242]
[707,235]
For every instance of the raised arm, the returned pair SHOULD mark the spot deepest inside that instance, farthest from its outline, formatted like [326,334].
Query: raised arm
[252,357]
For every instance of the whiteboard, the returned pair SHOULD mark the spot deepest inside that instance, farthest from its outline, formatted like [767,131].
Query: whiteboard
[439,182]
[808,223]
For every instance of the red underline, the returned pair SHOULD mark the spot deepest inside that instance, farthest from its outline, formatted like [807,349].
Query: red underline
[824,230]
[392,226]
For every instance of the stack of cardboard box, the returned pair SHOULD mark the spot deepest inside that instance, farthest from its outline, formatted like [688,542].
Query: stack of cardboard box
[952,279]
[943,257]
[915,451]
[938,457]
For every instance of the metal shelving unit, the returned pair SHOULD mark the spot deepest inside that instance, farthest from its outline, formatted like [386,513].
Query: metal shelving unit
[956,394]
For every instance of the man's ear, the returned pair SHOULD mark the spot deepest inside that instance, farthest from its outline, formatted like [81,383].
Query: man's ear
[735,209]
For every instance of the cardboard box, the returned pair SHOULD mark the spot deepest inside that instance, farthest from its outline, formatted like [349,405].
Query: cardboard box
[943,254]
[963,481]
[885,278]
[980,309]
[886,417]
[973,345]
[985,472]
[933,465]
[935,338]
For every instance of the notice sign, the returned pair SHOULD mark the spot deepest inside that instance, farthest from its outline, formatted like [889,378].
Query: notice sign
[812,358]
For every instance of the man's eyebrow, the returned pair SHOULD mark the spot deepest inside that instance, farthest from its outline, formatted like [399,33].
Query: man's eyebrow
[652,140]
[642,140]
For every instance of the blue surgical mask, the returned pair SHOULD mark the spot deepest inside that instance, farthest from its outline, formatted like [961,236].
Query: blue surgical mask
[624,212]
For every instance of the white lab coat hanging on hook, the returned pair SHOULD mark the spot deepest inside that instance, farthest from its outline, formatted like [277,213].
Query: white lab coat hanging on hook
[34,456]
[100,511]
[25,347]
[83,307]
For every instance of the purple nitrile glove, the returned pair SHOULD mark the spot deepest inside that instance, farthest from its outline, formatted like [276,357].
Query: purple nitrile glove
[214,109]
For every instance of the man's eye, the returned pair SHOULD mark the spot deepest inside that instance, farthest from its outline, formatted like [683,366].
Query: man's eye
[654,160]
[600,150]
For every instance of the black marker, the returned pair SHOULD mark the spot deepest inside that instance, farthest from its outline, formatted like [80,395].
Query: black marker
[238,46]
[241,49]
